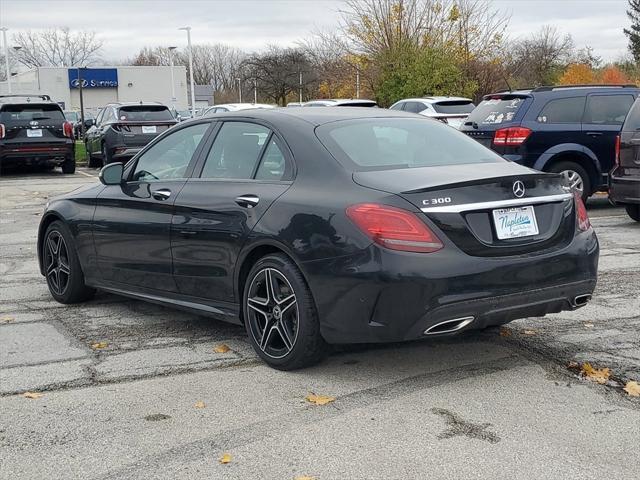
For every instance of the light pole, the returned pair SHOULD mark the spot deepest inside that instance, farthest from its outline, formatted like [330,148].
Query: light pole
[255,91]
[193,91]
[300,91]
[6,57]
[82,126]
[173,81]
[239,91]
[357,82]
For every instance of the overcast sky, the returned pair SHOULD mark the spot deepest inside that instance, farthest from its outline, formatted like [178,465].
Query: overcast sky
[127,25]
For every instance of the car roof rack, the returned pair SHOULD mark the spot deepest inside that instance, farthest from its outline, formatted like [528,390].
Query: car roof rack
[549,88]
[46,98]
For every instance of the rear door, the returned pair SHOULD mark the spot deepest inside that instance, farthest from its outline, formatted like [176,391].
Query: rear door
[603,118]
[244,171]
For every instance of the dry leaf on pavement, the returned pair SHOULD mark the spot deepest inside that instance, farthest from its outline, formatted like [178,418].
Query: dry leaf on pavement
[200,404]
[225,458]
[632,388]
[319,399]
[600,375]
[529,332]
[305,477]
[6,319]
[588,325]
[99,345]
[505,332]
[32,395]
[222,348]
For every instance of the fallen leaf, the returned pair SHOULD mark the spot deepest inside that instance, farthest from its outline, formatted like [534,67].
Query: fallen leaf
[319,399]
[225,458]
[99,345]
[632,388]
[305,477]
[33,395]
[529,332]
[6,319]
[505,332]
[222,348]
[588,325]
[600,375]
[200,404]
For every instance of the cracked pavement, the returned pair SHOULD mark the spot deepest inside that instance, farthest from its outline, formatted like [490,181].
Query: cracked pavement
[480,405]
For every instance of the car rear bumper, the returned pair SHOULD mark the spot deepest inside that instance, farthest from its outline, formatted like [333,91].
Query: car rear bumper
[120,153]
[624,189]
[379,295]
[34,154]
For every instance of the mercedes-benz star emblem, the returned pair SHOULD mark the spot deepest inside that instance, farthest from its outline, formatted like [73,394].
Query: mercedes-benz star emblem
[518,189]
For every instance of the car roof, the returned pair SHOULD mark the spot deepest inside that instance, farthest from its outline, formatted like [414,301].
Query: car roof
[435,99]
[135,104]
[339,101]
[566,90]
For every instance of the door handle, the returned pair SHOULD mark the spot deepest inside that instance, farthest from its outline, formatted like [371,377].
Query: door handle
[594,134]
[161,194]
[247,201]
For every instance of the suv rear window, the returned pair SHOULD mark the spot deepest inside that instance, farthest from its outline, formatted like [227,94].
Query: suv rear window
[385,143]
[632,123]
[495,111]
[30,111]
[607,109]
[454,106]
[145,113]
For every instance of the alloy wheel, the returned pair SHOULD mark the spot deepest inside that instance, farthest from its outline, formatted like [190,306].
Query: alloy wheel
[272,312]
[56,258]
[574,180]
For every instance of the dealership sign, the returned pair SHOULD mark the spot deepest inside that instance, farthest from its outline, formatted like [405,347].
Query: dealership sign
[93,77]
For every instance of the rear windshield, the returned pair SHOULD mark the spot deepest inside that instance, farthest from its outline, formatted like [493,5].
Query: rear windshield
[496,110]
[454,106]
[632,123]
[357,104]
[385,143]
[29,112]
[145,113]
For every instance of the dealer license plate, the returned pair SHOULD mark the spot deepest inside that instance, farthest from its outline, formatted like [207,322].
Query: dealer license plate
[515,222]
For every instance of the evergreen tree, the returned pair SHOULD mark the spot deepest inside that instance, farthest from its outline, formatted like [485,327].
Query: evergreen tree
[634,32]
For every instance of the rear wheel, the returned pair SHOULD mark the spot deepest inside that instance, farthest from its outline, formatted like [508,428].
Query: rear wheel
[633,211]
[576,177]
[69,165]
[62,267]
[106,158]
[92,160]
[280,315]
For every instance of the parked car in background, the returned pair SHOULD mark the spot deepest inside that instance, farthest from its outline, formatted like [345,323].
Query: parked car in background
[182,115]
[340,103]
[233,107]
[295,104]
[74,117]
[568,129]
[122,129]
[451,110]
[34,131]
[326,225]
[624,179]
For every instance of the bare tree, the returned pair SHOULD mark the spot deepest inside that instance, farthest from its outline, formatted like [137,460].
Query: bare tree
[58,47]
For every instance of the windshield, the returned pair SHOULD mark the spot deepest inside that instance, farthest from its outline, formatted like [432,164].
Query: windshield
[454,106]
[30,112]
[384,143]
[145,113]
[495,111]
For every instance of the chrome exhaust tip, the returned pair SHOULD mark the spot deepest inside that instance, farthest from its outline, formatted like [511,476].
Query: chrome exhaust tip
[449,326]
[581,300]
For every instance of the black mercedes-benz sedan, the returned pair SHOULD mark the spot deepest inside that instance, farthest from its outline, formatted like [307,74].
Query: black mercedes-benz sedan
[319,226]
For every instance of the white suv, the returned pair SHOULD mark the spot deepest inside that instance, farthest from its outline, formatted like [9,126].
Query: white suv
[451,110]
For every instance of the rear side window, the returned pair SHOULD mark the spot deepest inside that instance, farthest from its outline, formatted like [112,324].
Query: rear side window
[397,106]
[30,112]
[632,123]
[454,106]
[495,111]
[607,109]
[145,113]
[385,143]
[414,107]
[562,110]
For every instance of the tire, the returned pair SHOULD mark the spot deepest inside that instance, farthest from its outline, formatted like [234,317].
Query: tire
[69,165]
[633,211]
[106,158]
[63,272]
[566,168]
[297,319]
[92,160]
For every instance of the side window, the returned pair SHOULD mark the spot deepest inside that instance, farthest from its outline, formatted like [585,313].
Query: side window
[109,116]
[414,107]
[169,158]
[607,109]
[100,116]
[273,165]
[397,106]
[632,123]
[235,151]
[562,110]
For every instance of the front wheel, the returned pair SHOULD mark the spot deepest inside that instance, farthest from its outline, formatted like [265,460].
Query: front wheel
[280,315]
[633,211]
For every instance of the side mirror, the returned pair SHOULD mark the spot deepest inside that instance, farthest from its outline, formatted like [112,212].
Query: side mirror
[89,122]
[111,174]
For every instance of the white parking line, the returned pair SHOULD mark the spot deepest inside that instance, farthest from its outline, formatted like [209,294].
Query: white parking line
[85,174]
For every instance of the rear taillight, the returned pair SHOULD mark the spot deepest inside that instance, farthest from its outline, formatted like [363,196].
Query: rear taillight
[394,228]
[617,151]
[581,213]
[67,129]
[512,136]
[2,130]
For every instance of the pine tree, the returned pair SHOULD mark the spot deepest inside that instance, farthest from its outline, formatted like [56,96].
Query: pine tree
[634,32]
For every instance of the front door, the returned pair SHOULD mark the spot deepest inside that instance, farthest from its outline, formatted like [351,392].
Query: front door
[244,171]
[132,222]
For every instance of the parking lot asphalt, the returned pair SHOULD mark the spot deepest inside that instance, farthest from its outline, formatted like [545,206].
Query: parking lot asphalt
[133,390]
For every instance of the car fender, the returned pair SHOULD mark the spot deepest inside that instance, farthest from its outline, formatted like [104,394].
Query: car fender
[565,148]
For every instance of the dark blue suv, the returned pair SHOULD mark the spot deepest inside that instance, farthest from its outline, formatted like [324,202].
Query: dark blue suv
[567,129]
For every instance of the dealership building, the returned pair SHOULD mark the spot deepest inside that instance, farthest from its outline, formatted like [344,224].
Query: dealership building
[102,85]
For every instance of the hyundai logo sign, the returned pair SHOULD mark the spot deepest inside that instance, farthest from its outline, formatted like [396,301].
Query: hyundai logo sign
[93,77]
